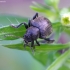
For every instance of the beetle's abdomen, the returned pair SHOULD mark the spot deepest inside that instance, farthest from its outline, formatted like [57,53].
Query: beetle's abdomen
[45,32]
[44,26]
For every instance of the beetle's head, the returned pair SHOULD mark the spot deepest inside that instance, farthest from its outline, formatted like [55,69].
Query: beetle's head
[27,38]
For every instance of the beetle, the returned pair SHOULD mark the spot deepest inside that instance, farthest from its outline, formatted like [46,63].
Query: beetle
[37,27]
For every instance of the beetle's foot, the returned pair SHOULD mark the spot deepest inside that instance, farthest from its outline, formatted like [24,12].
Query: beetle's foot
[50,41]
[12,25]
[32,49]
[24,46]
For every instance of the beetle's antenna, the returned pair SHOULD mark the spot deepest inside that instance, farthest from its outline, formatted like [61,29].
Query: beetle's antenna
[17,20]
[9,20]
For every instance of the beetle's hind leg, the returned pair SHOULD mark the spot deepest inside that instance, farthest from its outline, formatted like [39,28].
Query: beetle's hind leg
[37,43]
[36,15]
[49,40]
[26,26]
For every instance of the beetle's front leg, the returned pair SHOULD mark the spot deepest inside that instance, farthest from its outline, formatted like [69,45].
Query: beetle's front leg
[26,26]
[25,46]
[36,15]
[32,47]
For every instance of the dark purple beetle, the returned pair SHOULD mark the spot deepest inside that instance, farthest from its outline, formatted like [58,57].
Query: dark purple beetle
[37,27]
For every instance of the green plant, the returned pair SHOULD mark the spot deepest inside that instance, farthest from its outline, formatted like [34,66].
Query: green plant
[47,56]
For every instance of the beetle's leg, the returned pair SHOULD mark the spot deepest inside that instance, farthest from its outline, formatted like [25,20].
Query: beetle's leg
[48,40]
[36,15]
[37,43]
[32,47]
[25,46]
[26,26]
[32,43]
[29,23]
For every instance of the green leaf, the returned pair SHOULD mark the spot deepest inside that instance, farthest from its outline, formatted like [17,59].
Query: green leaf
[56,24]
[46,58]
[42,52]
[53,3]
[7,19]
[59,61]
[40,5]
[10,33]
[38,9]
[41,48]
[11,42]
[57,29]
[12,59]
[47,13]
[64,68]
[67,64]
[46,10]
[67,30]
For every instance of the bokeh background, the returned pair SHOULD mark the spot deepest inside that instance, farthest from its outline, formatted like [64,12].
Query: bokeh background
[22,7]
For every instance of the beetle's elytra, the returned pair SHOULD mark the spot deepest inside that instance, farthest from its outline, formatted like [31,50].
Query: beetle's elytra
[37,27]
